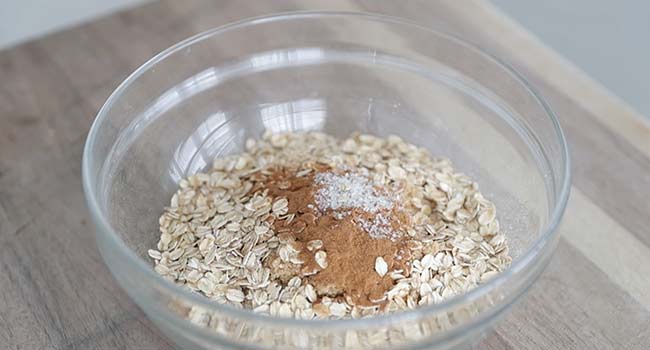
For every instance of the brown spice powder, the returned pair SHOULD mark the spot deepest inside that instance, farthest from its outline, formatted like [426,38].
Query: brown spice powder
[351,251]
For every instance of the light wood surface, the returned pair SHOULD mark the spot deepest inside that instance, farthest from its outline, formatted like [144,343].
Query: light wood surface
[55,292]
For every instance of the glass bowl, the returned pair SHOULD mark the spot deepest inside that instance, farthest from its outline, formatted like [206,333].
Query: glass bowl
[337,73]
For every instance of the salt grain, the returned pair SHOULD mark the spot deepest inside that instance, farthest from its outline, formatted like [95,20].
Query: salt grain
[349,191]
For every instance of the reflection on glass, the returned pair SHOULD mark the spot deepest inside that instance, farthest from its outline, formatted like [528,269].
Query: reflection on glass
[279,58]
[305,114]
[191,156]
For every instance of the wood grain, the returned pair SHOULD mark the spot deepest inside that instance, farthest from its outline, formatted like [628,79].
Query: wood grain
[55,292]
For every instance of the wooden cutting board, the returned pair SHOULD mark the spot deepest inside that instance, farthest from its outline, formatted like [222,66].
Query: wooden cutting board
[55,292]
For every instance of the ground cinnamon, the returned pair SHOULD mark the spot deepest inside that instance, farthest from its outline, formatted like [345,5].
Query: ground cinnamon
[350,250]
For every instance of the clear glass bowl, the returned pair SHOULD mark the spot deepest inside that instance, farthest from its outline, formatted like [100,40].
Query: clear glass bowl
[339,73]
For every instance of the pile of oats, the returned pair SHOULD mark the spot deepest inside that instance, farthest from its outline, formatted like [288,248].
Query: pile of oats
[217,234]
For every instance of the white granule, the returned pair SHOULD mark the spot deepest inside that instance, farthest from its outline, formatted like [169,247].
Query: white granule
[353,190]
[349,191]
[379,227]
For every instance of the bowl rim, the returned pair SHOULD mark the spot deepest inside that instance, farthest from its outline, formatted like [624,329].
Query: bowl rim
[104,228]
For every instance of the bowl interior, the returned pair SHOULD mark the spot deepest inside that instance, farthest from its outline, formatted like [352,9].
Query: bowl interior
[189,125]
[205,97]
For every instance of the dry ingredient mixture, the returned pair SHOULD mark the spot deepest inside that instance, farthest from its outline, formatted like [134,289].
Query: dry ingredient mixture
[305,225]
